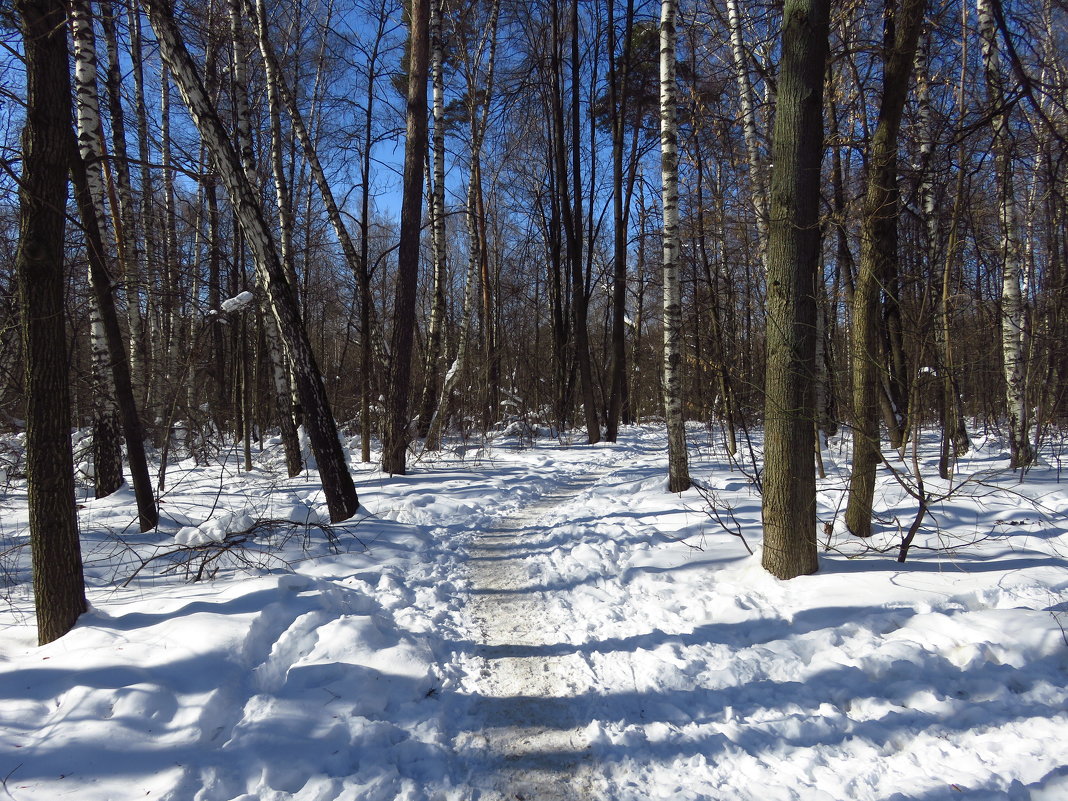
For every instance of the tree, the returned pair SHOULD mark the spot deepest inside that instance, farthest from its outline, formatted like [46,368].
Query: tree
[878,256]
[618,82]
[395,437]
[107,450]
[757,169]
[114,404]
[1013,301]
[678,466]
[276,358]
[435,333]
[130,249]
[59,587]
[341,498]
[478,107]
[569,199]
[789,484]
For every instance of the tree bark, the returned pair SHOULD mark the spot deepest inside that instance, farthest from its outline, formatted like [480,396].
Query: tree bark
[678,462]
[617,100]
[107,445]
[148,219]
[396,436]
[878,258]
[1013,301]
[789,498]
[109,350]
[435,334]
[580,299]
[58,584]
[103,295]
[758,188]
[131,252]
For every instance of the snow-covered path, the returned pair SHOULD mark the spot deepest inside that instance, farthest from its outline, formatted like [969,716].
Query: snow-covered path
[526,737]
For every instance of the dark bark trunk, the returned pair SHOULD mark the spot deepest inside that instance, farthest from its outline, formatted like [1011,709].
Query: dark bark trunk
[789,500]
[878,260]
[617,85]
[580,300]
[147,513]
[59,588]
[396,436]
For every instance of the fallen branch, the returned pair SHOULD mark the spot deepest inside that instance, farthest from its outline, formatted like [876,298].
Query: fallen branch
[205,560]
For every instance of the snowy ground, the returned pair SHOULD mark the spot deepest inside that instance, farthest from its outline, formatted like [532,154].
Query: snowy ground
[546,622]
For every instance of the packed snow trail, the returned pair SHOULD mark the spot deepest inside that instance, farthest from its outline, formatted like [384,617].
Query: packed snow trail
[526,729]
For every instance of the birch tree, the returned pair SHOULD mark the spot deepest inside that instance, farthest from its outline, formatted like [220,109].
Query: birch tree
[107,450]
[435,329]
[758,189]
[1013,306]
[478,108]
[678,463]
[109,350]
[275,354]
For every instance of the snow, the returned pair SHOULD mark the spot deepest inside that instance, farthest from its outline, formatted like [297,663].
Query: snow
[237,303]
[541,619]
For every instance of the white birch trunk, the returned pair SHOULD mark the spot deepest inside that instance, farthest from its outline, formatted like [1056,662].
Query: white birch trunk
[478,123]
[455,371]
[758,184]
[106,447]
[1013,308]
[678,466]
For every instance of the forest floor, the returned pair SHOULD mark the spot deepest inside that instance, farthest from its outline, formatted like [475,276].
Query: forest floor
[536,619]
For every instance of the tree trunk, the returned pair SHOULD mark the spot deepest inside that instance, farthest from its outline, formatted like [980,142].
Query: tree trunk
[103,296]
[58,585]
[1013,302]
[148,231]
[580,300]
[109,350]
[617,100]
[340,492]
[107,445]
[362,268]
[131,252]
[678,462]
[789,500]
[435,338]
[878,258]
[395,437]
[758,189]
[283,393]
[955,440]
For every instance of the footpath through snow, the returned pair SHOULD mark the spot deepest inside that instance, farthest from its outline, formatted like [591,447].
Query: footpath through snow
[525,734]
[535,621]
